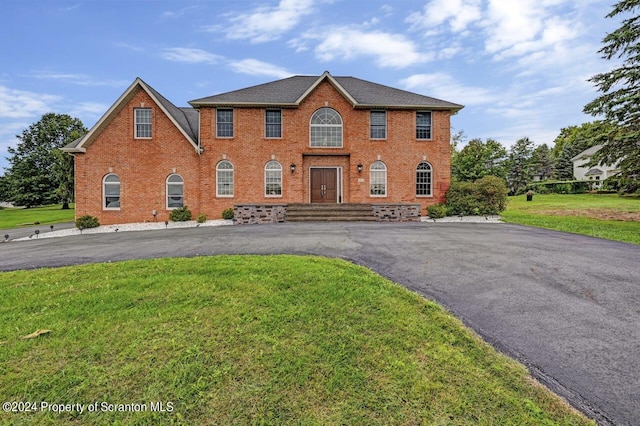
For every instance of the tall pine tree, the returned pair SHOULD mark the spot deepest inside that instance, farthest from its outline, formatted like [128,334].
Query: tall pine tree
[619,102]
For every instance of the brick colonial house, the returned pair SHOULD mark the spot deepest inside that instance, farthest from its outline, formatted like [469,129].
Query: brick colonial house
[303,139]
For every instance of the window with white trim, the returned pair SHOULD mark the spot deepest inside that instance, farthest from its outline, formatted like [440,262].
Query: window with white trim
[424,180]
[273,179]
[378,179]
[175,192]
[423,125]
[142,123]
[224,123]
[111,192]
[378,125]
[224,179]
[273,123]
[326,129]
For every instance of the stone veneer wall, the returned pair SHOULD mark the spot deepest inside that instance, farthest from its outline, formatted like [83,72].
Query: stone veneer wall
[249,214]
[397,212]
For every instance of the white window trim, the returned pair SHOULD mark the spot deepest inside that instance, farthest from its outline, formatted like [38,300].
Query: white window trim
[430,184]
[281,124]
[233,181]
[386,186]
[281,180]
[386,128]
[166,189]
[233,123]
[430,138]
[135,123]
[341,146]
[104,192]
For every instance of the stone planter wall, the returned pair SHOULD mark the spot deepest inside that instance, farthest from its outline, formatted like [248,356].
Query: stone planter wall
[249,214]
[397,212]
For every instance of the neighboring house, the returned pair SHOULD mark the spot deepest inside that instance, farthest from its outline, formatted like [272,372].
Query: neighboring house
[303,139]
[596,174]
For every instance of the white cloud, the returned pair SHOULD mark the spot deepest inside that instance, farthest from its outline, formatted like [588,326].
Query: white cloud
[190,55]
[23,104]
[443,86]
[79,79]
[268,23]
[457,13]
[88,109]
[256,67]
[388,50]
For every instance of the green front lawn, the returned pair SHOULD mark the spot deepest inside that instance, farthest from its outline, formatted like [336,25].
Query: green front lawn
[251,340]
[14,218]
[599,215]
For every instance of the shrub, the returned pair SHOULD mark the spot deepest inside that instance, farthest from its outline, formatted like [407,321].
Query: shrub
[181,214]
[87,221]
[487,195]
[202,218]
[437,211]
[227,213]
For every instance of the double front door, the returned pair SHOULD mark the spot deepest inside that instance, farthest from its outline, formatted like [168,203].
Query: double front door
[324,185]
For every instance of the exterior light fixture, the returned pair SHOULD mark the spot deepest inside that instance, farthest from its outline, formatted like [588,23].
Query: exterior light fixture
[292,167]
[154,213]
[359,167]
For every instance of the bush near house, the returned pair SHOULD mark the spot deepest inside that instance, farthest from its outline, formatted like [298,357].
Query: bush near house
[485,196]
[181,214]
[87,221]
[437,211]
[227,213]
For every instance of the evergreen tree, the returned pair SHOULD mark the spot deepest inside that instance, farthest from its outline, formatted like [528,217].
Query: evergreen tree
[519,168]
[620,89]
[39,174]
[543,163]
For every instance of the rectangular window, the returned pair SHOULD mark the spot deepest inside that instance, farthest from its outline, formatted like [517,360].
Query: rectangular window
[224,123]
[273,123]
[423,125]
[143,123]
[378,125]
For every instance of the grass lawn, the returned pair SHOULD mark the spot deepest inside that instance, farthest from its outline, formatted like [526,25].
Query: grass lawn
[599,215]
[13,218]
[251,340]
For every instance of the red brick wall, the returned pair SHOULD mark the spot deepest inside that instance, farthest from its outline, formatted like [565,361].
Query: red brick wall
[143,165]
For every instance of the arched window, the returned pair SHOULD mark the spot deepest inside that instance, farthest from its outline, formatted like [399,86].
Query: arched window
[326,128]
[378,179]
[224,179]
[273,179]
[175,191]
[111,192]
[423,179]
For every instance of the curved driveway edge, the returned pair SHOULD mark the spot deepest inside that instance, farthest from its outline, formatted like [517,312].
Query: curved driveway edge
[567,306]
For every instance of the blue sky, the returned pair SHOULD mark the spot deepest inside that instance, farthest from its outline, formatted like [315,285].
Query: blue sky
[520,67]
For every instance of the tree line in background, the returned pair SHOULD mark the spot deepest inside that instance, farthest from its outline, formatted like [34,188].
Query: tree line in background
[524,163]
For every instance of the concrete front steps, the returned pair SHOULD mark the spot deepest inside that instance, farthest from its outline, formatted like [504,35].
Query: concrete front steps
[334,212]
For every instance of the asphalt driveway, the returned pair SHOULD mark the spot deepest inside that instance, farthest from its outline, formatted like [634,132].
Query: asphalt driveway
[567,306]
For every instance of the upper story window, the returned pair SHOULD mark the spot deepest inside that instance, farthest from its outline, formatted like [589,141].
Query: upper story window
[423,125]
[111,192]
[378,179]
[224,179]
[142,123]
[273,179]
[326,128]
[273,123]
[378,125]
[423,179]
[175,192]
[224,123]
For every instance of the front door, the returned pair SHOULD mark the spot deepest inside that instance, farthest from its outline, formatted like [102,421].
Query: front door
[324,185]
